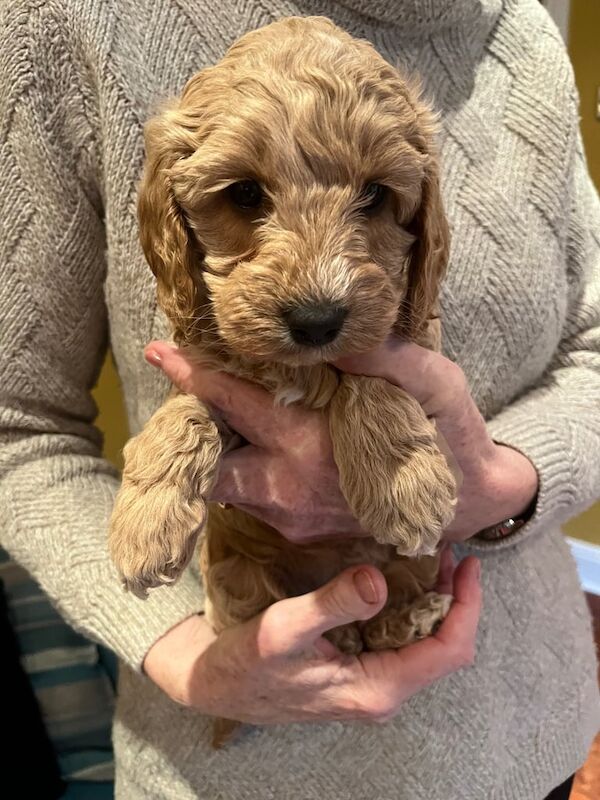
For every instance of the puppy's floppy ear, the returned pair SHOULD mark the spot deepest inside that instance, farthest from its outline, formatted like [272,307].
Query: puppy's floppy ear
[169,244]
[429,255]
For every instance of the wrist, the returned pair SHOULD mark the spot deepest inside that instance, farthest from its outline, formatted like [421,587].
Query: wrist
[512,485]
[171,661]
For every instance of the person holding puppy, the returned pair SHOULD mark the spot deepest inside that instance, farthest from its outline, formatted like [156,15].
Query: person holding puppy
[516,401]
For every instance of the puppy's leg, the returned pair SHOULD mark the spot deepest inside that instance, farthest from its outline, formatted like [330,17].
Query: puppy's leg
[224,608]
[160,509]
[413,610]
[396,481]
[239,580]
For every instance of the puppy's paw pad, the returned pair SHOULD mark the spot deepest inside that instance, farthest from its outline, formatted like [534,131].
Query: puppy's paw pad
[428,612]
[389,630]
[422,504]
[396,627]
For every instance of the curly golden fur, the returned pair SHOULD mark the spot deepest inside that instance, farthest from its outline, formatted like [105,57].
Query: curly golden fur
[303,117]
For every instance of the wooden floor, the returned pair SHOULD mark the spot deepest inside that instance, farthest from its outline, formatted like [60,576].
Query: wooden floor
[587,782]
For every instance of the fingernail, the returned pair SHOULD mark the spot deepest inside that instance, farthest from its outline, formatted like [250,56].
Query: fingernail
[478,569]
[365,586]
[153,358]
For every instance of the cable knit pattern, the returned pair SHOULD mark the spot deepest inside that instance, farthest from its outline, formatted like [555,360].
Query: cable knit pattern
[521,311]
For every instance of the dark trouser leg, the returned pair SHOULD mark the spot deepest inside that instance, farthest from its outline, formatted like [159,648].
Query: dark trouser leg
[563,791]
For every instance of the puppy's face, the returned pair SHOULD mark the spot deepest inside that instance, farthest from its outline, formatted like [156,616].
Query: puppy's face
[290,202]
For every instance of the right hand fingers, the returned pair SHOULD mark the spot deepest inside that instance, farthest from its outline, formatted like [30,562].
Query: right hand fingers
[459,629]
[374,685]
[297,624]
[399,674]
[445,579]
[282,656]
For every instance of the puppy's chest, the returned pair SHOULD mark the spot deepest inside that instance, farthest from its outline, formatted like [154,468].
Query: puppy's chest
[309,386]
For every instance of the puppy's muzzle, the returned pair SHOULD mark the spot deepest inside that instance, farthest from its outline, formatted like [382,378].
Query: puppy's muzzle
[315,325]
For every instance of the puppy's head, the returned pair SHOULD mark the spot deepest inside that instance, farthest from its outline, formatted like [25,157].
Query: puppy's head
[290,206]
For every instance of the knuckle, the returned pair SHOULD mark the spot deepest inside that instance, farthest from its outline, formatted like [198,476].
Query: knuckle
[463,656]
[183,375]
[333,602]
[292,533]
[268,635]
[455,373]
[265,644]
[456,379]
[469,655]
[381,709]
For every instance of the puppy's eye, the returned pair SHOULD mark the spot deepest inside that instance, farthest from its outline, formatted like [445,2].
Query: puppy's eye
[246,194]
[373,196]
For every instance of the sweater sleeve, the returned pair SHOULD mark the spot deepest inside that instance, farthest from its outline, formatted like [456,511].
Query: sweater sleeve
[557,424]
[56,491]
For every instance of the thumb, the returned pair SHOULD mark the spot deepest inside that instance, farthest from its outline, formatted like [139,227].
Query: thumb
[422,373]
[296,623]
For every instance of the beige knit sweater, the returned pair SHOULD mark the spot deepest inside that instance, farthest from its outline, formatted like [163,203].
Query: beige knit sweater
[521,310]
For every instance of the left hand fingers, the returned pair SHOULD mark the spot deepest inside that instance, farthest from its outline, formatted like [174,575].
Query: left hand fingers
[244,406]
[236,469]
[438,385]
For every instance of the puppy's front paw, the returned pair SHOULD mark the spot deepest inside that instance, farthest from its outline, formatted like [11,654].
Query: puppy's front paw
[153,534]
[392,473]
[420,503]
[396,627]
[160,509]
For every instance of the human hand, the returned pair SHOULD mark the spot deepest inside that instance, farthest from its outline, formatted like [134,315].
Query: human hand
[286,474]
[498,482]
[279,668]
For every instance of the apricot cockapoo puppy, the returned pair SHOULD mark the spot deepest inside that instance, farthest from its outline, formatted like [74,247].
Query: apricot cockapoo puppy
[290,210]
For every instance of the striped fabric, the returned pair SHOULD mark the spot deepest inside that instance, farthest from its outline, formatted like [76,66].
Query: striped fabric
[73,679]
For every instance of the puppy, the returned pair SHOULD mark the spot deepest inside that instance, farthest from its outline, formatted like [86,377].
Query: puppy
[291,213]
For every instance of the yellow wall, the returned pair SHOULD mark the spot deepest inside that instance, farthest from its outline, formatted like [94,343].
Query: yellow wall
[111,419]
[584,47]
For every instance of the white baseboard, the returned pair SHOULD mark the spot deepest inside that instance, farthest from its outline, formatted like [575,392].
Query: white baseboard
[587,557]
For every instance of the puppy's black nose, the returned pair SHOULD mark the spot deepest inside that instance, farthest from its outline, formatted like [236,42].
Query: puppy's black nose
[315,325]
